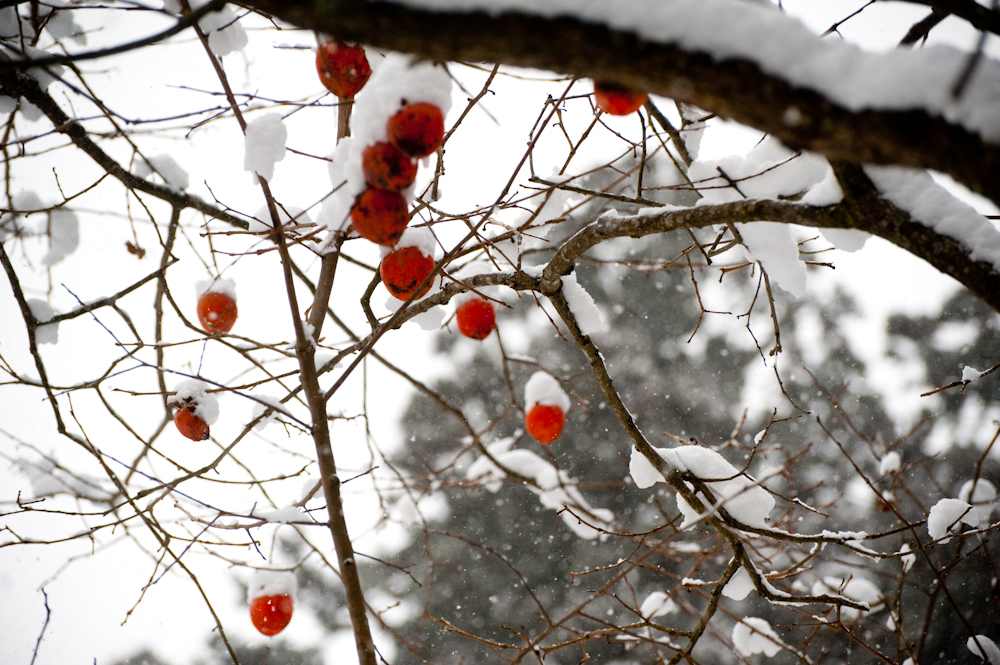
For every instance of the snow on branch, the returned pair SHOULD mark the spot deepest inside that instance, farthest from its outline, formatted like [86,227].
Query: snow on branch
[745,61]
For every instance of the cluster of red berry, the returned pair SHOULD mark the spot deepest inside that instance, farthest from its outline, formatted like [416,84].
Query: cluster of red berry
[380,214]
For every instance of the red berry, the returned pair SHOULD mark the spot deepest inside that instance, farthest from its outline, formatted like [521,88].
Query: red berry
[343,69]
[387,167]
[217,312]
[189,424]
[270,614]
[417,130]
[545,422]
[380,216]
[476,318]
[404,270]
[615,99]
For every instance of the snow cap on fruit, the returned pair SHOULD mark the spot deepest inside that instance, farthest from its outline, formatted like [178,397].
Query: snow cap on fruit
[216,285]
[195,392]
[542,388]
[418,237]
[270,583]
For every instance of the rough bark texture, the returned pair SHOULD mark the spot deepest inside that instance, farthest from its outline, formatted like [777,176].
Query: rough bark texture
[735,89]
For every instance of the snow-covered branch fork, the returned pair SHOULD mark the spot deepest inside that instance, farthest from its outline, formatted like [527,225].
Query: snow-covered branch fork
[822,96]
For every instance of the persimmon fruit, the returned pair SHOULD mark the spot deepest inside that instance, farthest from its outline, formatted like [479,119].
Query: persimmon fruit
[404,270]
[217,312]
[476,318]
[545,422]
[417,129]
[380,215]
[343,69]
[616,99]
[270,614]
[387,167]
[189,424]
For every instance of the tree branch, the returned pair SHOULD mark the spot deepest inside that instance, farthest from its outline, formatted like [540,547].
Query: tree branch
[736,88]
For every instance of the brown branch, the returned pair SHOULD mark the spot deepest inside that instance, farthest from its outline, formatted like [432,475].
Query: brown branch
[18,84]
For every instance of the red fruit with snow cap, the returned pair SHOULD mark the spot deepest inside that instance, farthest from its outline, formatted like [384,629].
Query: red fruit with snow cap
[387,167]
[476,318]
[270,594]
[546,406]
[217,312]
[190,424]
[270,614]
[615,99]
[343,69]
[417,129]
[380,215]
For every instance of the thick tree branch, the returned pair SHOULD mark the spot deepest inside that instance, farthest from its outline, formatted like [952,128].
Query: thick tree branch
[862,209]
[735,88]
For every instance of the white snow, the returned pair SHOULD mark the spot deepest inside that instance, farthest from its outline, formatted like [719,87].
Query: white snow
[889,463]
[542,388]
[556,489]
[947,514]
[264,144]
[166,167]
[656,604]
[753,635]
[781,45]
[772,244]
[856,588]
[930,204]
[739,494]
[846,240]
[907,559]
[985,493]
[643,473]
[985,649]
[286,515]
[216,285]
[824,193]
[42,311]
[64,235]
[259,409]
[206,403]
[225,34]
[769,170]
[270,583]
[419,237]
[61,25]
[739,586]
[588,316]
[970,374]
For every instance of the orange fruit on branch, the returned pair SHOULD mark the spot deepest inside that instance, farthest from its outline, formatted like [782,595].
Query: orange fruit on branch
[380,215]
[387,167]
[417,129]
[476,318]
[343,69]
[404,270]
